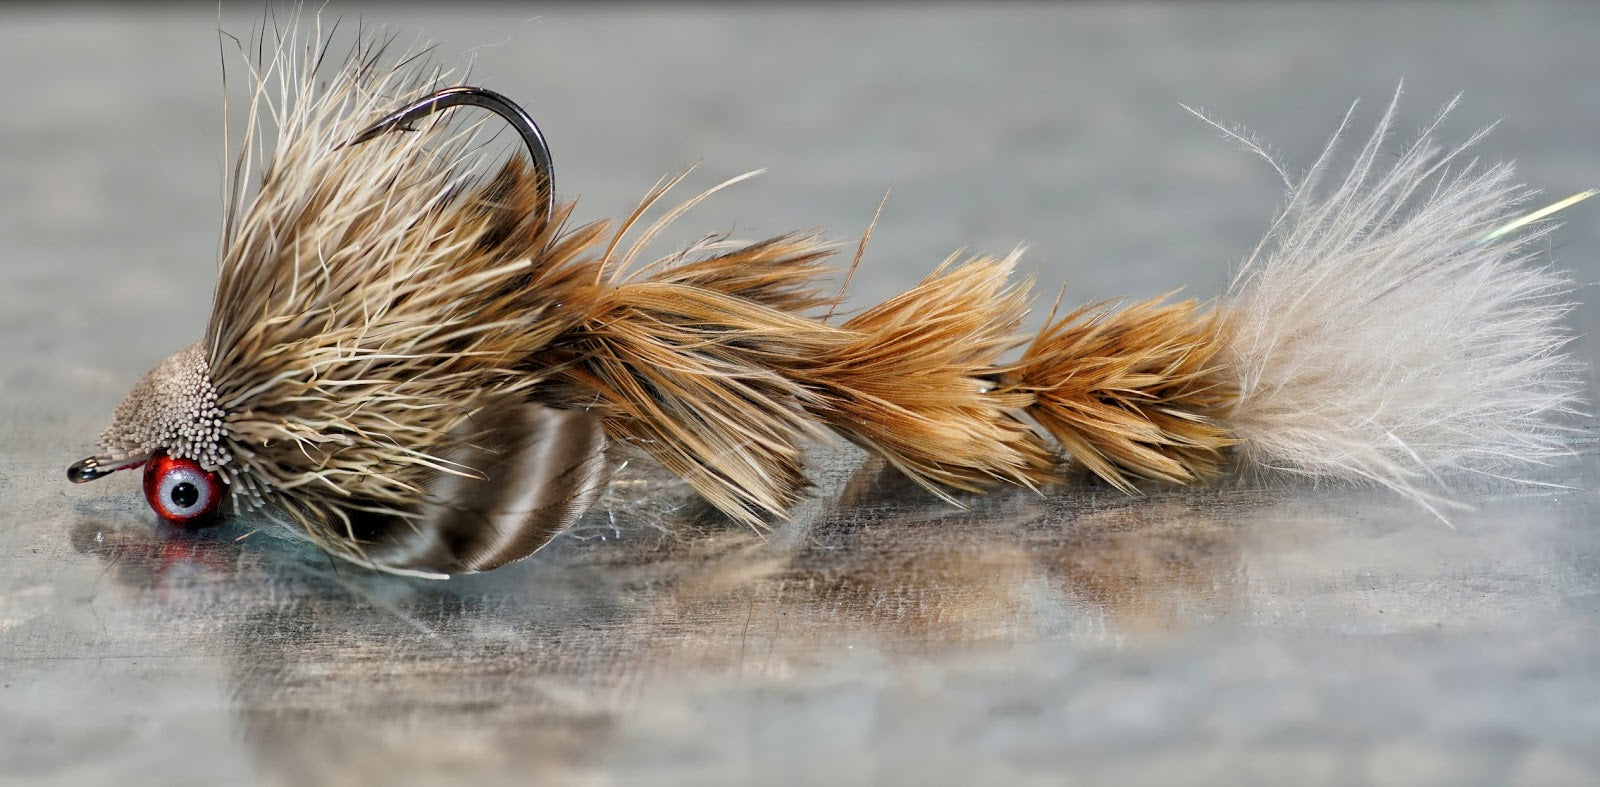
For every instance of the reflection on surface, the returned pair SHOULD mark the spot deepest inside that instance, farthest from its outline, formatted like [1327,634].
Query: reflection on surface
[1151,565]
[336,670]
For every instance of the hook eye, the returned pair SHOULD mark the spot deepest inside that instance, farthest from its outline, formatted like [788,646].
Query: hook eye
[93,467]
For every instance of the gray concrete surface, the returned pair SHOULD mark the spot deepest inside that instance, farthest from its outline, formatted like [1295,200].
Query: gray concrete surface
[1236,635]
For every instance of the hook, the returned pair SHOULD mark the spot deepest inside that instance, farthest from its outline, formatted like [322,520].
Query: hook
[464,95]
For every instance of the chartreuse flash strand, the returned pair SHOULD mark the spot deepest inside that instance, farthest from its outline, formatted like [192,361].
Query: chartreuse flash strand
[1548,210]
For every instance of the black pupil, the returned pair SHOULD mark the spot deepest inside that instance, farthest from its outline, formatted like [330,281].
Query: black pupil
[185,494]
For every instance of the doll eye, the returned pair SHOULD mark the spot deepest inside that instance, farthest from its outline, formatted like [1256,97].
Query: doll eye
[180,490]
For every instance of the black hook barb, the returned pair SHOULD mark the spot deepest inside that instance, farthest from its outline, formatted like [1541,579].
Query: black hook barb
[466,96]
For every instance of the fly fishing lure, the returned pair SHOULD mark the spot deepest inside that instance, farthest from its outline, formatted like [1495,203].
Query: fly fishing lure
[423,372]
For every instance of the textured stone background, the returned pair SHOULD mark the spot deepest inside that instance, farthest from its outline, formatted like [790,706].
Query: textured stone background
[1241,635]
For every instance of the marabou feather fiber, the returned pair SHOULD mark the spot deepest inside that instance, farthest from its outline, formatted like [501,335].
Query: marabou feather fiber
[1379,334]
[412,364]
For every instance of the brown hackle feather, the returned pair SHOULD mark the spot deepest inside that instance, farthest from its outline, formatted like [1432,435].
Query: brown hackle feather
[694,377]
[914,381]
[705,365]
[1132,393]
[688,358]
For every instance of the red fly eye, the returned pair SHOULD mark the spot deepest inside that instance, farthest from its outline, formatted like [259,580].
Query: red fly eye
[181,491]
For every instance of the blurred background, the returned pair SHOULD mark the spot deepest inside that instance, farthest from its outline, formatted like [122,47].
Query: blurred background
[1233,635]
